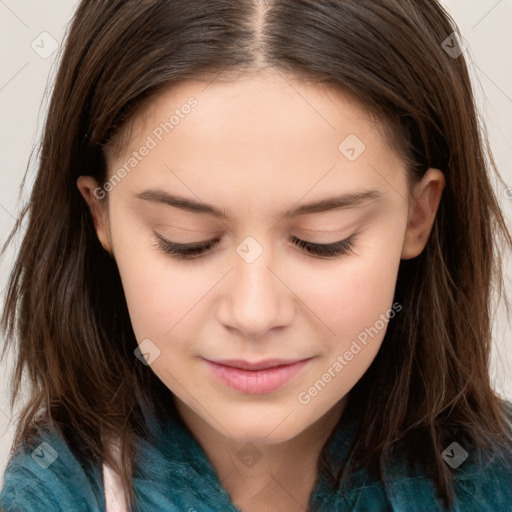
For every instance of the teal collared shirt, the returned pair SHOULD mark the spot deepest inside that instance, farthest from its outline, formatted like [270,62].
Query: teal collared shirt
[173,474]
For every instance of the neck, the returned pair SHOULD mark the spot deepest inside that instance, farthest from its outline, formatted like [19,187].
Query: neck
[259,477]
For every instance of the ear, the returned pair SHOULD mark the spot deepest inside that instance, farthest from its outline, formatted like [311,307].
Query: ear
[422,212]
[93,195]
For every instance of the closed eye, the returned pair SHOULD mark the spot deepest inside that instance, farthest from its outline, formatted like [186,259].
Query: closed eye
[327,250]
[195,250]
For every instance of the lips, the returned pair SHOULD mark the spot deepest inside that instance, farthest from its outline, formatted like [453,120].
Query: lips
[256,377]
[261,365]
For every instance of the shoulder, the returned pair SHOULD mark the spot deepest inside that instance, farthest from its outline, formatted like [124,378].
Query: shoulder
[486,485]
[480,485]
[45,475]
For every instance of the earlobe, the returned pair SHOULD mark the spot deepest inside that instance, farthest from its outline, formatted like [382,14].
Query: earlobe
[422,213]
[88,186]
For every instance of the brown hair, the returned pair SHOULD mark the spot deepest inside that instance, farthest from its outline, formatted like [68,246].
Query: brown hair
[65,306]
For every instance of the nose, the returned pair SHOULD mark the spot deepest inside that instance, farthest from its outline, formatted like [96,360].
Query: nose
[256,298]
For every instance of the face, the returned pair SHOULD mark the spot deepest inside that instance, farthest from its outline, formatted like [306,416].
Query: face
[239,169]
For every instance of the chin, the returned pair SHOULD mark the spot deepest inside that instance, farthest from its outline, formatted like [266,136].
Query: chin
[271,431]
[250,435]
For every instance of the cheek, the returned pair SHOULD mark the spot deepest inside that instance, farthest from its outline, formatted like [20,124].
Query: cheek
[355,301]
[158,292]
[160,297]
[350,295]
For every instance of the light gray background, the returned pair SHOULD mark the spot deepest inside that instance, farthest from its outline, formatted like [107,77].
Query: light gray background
[485,25]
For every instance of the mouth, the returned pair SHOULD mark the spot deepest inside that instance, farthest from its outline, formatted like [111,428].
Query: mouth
[261,365]
[256,377]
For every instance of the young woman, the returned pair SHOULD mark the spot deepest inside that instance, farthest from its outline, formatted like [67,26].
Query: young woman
[258,265]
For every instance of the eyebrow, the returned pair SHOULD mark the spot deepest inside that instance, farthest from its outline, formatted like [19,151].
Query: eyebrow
[345,201]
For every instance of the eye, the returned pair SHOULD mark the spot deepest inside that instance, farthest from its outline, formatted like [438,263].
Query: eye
[327,250]
[184,251]
[192,251]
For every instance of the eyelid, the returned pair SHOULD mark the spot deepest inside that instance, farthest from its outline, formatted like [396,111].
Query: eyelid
[175,247]
[328,251]
[317,250]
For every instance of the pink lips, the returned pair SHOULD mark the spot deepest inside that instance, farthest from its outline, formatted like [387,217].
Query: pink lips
[256,378]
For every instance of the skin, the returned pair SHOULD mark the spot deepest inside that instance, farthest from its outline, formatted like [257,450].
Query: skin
[255,148]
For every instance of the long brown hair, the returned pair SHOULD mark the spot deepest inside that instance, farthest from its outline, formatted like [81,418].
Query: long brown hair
[65,308]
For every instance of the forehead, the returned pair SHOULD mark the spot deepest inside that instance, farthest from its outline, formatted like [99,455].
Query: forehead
[265,103]
[261,132]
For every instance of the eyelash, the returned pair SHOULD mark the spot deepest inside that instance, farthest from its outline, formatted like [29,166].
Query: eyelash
[193,251]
